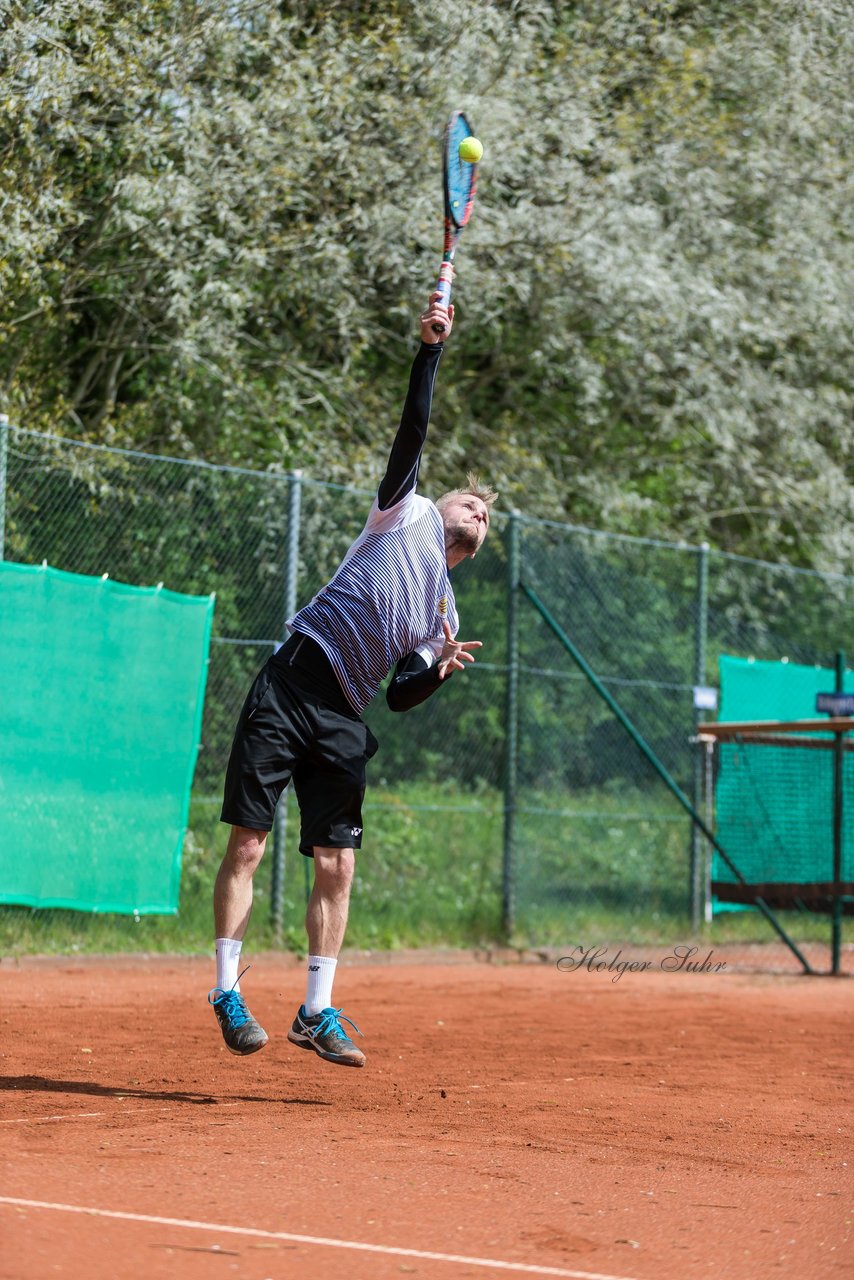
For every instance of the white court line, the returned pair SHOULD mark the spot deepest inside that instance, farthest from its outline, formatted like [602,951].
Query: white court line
[190,1225]
[71,1115]
[82,1115]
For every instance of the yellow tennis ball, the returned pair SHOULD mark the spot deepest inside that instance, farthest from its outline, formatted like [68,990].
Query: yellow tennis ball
[471,150]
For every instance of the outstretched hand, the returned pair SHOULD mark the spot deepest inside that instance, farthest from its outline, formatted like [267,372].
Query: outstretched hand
[455,653]
[436,313]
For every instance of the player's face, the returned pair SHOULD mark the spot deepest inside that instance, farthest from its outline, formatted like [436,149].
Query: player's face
[466,520]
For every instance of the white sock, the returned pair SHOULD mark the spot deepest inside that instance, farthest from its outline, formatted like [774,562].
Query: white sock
[318,991]
[228,963]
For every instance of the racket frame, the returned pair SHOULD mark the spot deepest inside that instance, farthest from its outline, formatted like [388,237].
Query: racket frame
[455,220]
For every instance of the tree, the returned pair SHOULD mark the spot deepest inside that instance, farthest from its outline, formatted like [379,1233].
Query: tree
[219,220]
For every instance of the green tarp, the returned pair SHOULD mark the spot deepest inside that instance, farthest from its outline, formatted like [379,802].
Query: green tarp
[774,805]
[101,695]
[752,690]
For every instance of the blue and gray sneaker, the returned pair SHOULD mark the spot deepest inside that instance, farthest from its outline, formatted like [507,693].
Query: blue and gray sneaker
[324,1033]
[241,1033]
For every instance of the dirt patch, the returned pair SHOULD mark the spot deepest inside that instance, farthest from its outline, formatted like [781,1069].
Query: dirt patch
[656,1125]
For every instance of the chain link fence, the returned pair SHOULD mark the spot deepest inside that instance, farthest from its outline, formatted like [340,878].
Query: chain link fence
[514,792]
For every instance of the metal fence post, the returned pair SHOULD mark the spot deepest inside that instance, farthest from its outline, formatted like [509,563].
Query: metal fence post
[511,728]
[4,456]
[280,822]
[838,784]
[697,878]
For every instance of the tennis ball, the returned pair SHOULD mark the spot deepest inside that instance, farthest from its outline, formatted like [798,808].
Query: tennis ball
[471,150]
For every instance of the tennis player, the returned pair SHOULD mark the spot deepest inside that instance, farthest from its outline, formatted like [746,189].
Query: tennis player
[390,602]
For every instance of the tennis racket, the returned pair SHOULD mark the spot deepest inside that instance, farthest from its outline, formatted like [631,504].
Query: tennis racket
[460,181]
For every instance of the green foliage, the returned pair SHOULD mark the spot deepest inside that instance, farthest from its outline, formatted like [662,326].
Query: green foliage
[219,220]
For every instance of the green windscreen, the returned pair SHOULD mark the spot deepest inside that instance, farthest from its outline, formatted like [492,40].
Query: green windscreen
[775,804]
[752,690]
[100,714]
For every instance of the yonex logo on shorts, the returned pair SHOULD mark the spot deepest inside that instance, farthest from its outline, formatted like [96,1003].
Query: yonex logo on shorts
[356,831]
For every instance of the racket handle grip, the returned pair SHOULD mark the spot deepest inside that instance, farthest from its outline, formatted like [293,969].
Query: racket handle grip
[446,276]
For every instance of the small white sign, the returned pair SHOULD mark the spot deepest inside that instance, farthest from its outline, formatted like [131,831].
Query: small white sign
[705,698]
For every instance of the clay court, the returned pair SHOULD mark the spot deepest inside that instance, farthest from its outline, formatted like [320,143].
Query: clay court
[513,1119]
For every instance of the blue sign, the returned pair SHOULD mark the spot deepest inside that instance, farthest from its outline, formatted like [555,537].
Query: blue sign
[835,704]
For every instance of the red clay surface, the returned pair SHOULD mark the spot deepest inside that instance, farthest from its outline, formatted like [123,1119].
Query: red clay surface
[661,1127]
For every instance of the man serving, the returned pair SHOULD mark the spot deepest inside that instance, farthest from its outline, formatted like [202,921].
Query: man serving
[390,602]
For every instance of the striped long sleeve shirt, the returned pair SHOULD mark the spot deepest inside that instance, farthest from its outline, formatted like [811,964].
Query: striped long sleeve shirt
[391,594]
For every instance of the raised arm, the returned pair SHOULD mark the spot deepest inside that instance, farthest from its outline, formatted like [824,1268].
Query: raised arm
[402,470]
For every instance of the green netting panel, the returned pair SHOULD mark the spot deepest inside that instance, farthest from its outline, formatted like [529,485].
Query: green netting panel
[99,727]
[774,804]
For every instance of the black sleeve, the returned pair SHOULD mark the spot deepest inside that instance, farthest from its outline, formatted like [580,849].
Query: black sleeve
[402,470]
[414,681]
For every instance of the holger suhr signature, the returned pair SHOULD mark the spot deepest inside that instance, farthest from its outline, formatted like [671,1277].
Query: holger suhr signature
[681,959]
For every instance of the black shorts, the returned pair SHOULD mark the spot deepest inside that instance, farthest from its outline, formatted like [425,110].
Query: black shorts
[297,724]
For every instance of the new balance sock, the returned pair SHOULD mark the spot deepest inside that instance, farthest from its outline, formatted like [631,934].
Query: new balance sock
[318,991]
[228,963]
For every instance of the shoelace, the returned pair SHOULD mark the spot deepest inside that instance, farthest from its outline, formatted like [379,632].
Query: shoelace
[232,1002]
[331,1022]
[234,1007]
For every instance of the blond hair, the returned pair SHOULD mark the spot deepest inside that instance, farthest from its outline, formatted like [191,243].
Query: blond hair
[473,486]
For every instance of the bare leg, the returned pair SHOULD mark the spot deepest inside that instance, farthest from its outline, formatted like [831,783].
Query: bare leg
[233,888]
[329,904]
[232,907]
[326,924]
